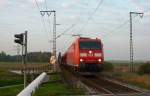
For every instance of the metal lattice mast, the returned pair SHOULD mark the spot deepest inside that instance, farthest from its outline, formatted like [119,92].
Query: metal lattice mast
[131,44]
[54,35]
[131,40]
[54,28]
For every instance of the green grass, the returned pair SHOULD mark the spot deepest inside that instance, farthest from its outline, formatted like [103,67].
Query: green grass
[55,77]
[56,89]
[48,89]
[10,82]
[7,78]
[10,62]
[11,65]
[21,62]
[11,91]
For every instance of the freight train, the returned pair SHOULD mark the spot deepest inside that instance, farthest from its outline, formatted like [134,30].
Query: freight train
[85,55]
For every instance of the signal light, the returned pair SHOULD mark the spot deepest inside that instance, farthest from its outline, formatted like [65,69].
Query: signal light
[19,38]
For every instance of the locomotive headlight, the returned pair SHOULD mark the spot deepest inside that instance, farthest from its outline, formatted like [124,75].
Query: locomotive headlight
[99,60]
[98,54]
[83,54]
[81,60]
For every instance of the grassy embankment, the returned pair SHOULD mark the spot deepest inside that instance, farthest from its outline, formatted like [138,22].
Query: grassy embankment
[121,71]
[6,77]
[52,88]
[56,88]
[142,81]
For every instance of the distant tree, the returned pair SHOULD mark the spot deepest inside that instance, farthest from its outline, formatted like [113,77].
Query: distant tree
[2,53]
[39,56]
[3,56]
[31,57]
[144,69]
[108,66]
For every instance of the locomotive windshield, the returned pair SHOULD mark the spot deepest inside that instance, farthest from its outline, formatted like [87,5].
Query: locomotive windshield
[94,45]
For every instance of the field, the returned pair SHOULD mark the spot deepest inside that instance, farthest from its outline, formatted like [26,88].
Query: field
[7,78]
[134,78]
[122,72]
[53,88]
[19,65]
[11,91]
[124,66]
[58,88]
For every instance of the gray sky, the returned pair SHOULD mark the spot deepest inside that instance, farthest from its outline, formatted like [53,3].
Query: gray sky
[91,18]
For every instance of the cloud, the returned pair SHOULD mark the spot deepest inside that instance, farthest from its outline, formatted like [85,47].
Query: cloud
[3,3]
[65,5]
[137,5]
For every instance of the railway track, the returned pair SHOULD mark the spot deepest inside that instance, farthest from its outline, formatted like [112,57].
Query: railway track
[108,87]
[104,86]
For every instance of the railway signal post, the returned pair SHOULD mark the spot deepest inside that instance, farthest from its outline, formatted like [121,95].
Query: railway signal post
[22,40]
[131,39]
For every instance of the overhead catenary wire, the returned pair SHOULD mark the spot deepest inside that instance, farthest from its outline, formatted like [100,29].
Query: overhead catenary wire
[122,24]
[117,28]
[65,31]
[73,25]
[46,4]
[44,24]
[146,11]
[37,5]
[49,21]
[91,15]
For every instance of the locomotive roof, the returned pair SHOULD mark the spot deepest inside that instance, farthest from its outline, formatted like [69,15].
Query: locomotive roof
[86,38]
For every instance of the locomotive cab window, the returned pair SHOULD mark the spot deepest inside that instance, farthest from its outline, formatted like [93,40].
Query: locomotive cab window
[94,45]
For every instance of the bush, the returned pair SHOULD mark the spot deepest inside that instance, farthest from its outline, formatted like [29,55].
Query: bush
[108,66]
[144,69]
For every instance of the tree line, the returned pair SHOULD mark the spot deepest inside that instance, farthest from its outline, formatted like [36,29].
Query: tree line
[31,57]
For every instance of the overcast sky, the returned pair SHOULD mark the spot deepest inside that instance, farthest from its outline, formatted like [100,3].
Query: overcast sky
[105,19]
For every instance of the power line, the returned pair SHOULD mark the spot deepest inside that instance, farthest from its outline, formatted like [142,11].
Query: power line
[44,25]
[37,4]
[121,25]
[42,18]
[49,22]
[91,15]
[147,10]
[46,4]
[73,25]
[118,27]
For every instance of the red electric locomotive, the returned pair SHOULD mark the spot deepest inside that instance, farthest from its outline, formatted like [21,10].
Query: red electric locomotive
[85,55]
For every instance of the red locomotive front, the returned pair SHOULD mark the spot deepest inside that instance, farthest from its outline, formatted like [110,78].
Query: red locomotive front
[86,55]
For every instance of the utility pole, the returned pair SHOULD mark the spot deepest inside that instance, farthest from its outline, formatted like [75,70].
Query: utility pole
[131,40]
[54,28]
[54,35]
